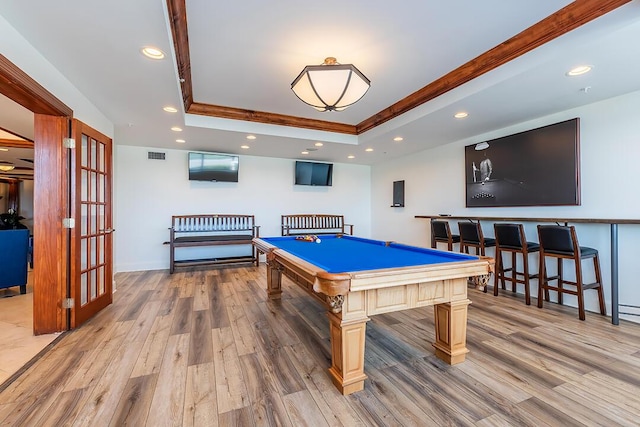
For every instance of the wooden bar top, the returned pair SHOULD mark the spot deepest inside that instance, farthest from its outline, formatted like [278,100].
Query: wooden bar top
[535,219]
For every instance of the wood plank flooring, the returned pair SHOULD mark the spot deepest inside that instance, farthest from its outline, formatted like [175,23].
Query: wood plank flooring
[207,348]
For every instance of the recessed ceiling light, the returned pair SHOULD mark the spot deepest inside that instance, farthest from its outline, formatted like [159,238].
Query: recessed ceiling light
[460,115]
[351,156]
[169,109]
[398,138]
[244,147]
[4,149]
[318,144]
[152,52]
[577,71]
[180,141]
[176,129]
[251,137]
[304,152]
[369,150]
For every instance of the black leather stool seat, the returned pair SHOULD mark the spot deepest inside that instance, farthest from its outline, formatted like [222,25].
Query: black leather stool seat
[561,242]
[471,236]
[441,232]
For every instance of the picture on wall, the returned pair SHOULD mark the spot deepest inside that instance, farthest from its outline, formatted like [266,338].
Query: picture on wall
[539,167]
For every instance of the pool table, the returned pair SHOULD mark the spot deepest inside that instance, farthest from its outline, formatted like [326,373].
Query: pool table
[356,278]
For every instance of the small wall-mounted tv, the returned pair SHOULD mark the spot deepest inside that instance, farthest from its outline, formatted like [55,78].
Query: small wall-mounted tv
[539,167]
[312,173]
[213,167]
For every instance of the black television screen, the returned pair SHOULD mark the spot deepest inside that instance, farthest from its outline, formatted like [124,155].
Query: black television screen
[312,173]
[539,167]
[213,167]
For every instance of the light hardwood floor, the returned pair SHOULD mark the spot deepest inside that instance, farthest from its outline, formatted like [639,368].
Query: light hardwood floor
[206,348]
[18,345]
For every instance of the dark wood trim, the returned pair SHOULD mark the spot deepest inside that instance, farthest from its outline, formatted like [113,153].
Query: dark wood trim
[13,198]
[18,86]
[566,19]
[178,22]
[14,143]
[50,239]
[269,118]
[5,180]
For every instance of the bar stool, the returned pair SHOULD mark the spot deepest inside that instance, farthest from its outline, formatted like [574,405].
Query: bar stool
[561,242]
[471,237]
[441,232]
[510,238]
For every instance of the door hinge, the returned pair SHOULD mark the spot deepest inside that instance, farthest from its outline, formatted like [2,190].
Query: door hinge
[69,143]
[68,303]
[68,222]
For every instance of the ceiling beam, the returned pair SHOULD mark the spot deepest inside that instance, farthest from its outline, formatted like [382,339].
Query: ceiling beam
[178,22]
[15,143]
[270,118]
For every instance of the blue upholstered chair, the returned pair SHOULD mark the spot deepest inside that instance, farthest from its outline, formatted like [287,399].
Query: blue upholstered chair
[14,247]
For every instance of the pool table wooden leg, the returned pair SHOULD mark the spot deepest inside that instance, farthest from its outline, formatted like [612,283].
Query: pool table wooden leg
[347,353]
[274,280]
[451,331]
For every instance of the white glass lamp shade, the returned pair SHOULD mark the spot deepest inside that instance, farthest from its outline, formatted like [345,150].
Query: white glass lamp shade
[7,168]
[330,87]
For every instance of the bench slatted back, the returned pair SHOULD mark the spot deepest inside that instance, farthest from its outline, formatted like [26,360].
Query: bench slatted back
[203,223]
[312,223]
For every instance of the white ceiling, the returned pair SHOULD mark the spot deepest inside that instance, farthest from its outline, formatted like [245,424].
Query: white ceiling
[245,54]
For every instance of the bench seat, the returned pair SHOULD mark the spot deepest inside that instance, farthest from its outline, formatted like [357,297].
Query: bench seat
[212,230]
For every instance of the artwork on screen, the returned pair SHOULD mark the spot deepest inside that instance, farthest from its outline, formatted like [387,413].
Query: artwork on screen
[312,173]
[213,167]
[539,167]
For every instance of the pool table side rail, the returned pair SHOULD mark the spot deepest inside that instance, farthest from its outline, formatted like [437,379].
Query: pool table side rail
[363,280]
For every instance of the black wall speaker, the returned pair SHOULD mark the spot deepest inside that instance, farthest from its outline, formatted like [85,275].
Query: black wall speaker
[398,194]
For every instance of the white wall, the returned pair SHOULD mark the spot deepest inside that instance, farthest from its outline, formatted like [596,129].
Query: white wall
[149,192]
[610,161]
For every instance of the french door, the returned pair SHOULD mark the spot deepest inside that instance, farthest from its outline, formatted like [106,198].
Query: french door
[91,236]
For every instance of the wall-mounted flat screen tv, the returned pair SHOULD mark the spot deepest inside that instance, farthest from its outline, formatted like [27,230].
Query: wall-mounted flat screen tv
[213,167]
[539,167]
[313,173]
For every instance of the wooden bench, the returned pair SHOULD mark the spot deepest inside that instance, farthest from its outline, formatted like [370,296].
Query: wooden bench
[212,230]
[300,224]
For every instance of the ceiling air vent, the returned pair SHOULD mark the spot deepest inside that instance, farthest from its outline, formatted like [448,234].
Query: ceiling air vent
[156,156]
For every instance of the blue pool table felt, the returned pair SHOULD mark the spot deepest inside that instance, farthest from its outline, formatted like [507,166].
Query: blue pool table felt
[349,254]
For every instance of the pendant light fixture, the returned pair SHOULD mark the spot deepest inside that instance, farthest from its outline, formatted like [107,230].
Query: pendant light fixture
[330,86]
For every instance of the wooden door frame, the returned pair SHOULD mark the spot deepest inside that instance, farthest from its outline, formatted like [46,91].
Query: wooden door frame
[51,195]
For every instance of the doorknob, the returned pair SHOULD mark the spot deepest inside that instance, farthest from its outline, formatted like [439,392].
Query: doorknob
[107,231]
